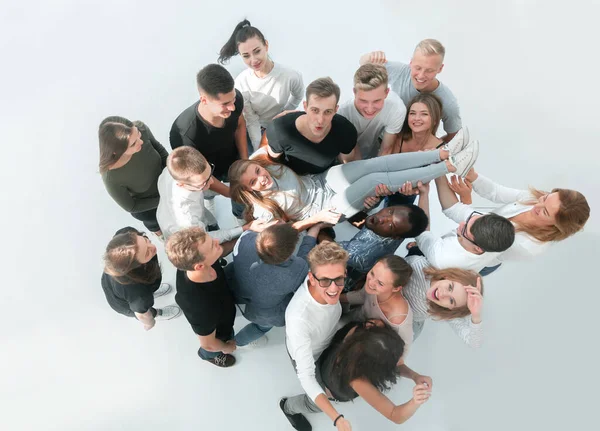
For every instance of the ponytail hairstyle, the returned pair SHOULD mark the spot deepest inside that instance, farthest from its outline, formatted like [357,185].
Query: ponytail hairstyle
[120,261]
[249,197]
[399,268]
[113,136]
[242,32]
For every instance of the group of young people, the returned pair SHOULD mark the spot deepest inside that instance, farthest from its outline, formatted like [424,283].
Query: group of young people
[291,175]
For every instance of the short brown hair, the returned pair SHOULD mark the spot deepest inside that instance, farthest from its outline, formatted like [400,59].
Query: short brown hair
[463,276]
[276,243]
[182,248]
[431,47]
[185,162]
[370,76]
[327,253]
[323,87]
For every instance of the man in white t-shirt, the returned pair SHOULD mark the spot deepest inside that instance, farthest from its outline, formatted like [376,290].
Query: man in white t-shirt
[374,110]
[420,76]
[311,318]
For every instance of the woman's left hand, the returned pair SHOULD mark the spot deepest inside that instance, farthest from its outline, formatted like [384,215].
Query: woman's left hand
[420,379]
[475,301]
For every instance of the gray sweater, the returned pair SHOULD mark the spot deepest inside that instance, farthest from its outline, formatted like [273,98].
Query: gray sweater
[266,289]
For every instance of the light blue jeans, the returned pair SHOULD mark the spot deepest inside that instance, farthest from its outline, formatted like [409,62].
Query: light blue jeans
[250,333]
[355,181]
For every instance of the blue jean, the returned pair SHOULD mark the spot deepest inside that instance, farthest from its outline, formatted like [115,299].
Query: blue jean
[206,355]
[250,333]
[488,270]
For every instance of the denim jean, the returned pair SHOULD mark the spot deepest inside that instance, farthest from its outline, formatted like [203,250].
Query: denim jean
[250,333]
[206,355]
[488,270]
[355,181]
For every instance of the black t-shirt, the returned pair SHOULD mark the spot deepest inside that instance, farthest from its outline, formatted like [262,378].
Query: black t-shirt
[303,156]
[217,144]
[207,306]
[129,298]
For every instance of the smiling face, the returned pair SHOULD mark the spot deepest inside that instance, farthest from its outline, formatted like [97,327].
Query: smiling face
[221,106]
[370,103]
[419,119]
[134,143]
[145,249]
[545,210]
[448,294]
[254,53]
[256,178]
[423,70]
[380,281]
[390,221]
[320,112]
[331,294]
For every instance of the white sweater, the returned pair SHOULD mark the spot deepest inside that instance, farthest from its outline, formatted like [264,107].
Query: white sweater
[524,246]
[282,89]
[309,328]
[179,208]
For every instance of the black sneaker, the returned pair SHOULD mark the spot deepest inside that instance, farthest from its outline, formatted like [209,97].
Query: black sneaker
[224,360]
[297,420]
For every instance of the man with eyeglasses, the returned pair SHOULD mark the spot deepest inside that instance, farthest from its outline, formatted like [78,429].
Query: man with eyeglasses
[181,187]
[311,318]
[476,242]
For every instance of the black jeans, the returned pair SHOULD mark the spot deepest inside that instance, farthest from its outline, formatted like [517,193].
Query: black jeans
[149,219]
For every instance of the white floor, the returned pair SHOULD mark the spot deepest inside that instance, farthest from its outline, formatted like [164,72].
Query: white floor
[525,75]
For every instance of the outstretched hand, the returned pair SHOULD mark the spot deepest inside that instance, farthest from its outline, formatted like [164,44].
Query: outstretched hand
[383,190]
[371,202]
[421,189]
[463,188]
[260,225]
[421,393]
[328,215]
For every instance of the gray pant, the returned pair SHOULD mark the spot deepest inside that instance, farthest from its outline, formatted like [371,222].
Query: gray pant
[355,181]
[300,404]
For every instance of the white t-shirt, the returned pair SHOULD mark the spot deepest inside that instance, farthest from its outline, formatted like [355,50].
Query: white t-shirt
[309,328]
[389,120]
[179,208]
[282,89]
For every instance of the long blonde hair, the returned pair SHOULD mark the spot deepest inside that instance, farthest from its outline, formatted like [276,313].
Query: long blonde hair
[250,198]
[572,215]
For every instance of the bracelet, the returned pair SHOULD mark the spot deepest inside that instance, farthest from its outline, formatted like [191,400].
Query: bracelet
[336,419]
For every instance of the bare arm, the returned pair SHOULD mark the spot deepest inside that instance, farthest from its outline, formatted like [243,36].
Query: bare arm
[352,156]
[147,319]
[211,343]
[241,139]
[323,403]
[446,195]
[388,144]
[220,188]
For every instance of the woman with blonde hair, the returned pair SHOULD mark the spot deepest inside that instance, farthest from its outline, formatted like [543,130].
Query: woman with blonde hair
[540,218]
[270,190]
[453,295]
[131,160]
[132,278]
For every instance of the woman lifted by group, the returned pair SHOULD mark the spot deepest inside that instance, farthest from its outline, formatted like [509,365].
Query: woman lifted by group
[292,174]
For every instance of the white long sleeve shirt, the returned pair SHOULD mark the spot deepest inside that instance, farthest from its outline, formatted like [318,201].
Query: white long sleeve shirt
[415,293]
[524,246]
[180,208]
[282,89]
[309,328]
[447,252]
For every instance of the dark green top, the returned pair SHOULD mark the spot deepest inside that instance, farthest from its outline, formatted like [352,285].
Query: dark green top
[133,186]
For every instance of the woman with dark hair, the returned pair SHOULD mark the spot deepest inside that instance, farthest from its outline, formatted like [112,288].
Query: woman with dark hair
[268,88]
[361,361]
[271,190]
[131,160]
[454,295]
[132,278]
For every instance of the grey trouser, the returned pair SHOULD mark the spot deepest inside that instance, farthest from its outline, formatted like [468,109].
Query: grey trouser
[302,403]
[355,181]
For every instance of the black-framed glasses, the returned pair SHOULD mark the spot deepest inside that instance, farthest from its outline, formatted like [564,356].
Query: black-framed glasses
[326,282]
[203,185]
[464,229]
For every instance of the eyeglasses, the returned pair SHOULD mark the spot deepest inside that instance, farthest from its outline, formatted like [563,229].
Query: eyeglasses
[326,282]
[464,229]
[205,183]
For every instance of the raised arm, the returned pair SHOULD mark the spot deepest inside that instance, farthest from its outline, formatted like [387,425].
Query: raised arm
[377,57]
[494,192]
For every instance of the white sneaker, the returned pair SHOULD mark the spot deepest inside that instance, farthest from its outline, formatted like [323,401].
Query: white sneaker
[464,160]
[459,142]
[167,313]
[261,342]
[163,289]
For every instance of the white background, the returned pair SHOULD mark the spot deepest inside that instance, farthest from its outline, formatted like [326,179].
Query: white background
[525,76]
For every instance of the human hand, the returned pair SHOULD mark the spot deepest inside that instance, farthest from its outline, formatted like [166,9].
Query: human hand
[408,190]
[371,202]
[383,190]
[230,347]
[343,425]
[260,225]
[421,393]
[148,326]
[315,229]
[472,175]
[328,215]
[419,380]
[377,57]
[462,188]
[475,301]
[281,114]
[423,188]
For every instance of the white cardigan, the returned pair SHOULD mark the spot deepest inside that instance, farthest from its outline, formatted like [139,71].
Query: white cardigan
[525,246]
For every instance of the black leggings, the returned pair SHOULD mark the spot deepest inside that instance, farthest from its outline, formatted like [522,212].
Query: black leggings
[149,219]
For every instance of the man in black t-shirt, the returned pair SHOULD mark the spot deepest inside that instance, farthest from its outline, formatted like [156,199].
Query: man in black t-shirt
[311,142]
[203,294]
[214,125]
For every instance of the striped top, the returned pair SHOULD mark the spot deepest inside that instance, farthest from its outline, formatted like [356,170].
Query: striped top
[415,293]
